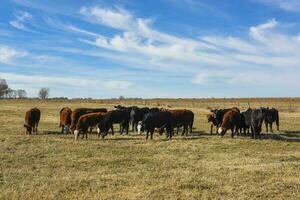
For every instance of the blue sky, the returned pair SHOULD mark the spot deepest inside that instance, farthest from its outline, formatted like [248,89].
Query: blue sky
[163,48]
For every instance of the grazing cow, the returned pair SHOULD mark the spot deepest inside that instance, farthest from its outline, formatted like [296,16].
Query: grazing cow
[182,117]
[136,115]
[231,120]
[81,111]
[271,117]
[32,118]
[161,120]
[65,119]
[257,118]
[88,120]
[121,117]
[212,121]
[246,120]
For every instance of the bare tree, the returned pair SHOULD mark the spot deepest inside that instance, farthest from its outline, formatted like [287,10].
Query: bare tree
[44,93]
[3,88]
[21,94]
[9,93]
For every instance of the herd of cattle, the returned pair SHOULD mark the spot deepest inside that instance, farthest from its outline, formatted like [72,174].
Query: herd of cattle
[81,121]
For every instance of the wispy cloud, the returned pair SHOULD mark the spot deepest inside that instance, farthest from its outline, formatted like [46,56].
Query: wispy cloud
[288,5]
[265,46]
[21,19]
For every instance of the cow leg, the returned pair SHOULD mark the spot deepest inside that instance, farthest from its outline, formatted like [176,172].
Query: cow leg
[267,128]
[232,133]
[147,135]
[91,130]
[133,127]
[112,129]
[169,131]
[126,127]
[271,127]
[186,129]
[121,129]
[36,127]
[62,129]
[151,136]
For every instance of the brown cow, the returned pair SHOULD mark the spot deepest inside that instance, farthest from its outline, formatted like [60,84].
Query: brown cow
[212,121]
[81,111]
[88,120]
[231,120]
[182,117]
[32,118]
[65,119]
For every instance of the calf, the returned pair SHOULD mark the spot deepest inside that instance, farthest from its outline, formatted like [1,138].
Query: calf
[231,120]
[271,117]
[81,111]
[161,120]
[88,120]
[32,118]
[65,119]
[121,117]
[257,118]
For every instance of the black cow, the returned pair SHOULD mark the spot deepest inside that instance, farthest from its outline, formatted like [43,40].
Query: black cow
[246,121]
[121,117]
[257,118]
[161,120]
[136,115]
[271,117]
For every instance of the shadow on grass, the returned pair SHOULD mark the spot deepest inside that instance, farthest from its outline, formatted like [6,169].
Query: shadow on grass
[280,137]
[51,133]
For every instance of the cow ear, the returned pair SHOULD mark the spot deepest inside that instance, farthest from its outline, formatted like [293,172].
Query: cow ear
[211,111]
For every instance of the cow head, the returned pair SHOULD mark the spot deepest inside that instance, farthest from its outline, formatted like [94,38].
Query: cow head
[28,129]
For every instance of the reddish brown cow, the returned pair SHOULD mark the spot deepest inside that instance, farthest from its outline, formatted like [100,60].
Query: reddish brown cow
[231,120]
[182,117]
[212,121]
[32,118]
[81,111]
[88,120]
[65,119]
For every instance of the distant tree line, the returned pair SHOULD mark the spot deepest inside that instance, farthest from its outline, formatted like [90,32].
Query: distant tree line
[8,93]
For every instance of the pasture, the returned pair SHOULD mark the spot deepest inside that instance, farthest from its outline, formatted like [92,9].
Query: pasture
[202,166]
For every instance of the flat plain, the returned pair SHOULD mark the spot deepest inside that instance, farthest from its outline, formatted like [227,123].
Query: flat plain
[201,166]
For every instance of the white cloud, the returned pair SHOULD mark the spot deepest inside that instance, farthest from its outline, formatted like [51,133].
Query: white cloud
[8,54]
[288,5]
[119,19]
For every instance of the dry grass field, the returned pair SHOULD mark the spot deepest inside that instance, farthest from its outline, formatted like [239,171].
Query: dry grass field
[202,166]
